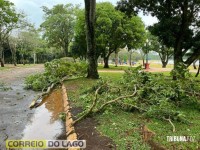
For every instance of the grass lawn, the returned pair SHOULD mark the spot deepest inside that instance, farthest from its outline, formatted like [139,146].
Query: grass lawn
[10,66]
[123,127]
[113,68]
[4,68]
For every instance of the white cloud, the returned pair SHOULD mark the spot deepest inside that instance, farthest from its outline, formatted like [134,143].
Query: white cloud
[147,19]
[35,14]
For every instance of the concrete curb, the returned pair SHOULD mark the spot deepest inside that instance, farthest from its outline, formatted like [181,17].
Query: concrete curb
[70,130]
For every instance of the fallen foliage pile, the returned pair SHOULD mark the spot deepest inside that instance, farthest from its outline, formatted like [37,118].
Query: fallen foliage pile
[153,95]
[55,71]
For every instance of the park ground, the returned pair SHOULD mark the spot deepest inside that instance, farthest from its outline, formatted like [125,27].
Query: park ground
[107,131]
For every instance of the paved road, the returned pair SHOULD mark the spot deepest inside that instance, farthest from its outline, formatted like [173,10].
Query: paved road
[14,102]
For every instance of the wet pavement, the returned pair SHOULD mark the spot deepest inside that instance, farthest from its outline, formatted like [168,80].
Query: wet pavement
[17,121]
[14,111]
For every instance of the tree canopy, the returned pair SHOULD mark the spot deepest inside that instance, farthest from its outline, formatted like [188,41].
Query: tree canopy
[178,24]
[58,26]
[8,20]
[113,30]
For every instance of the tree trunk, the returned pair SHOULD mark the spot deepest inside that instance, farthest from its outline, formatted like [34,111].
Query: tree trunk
[116,58]
[143,61]
[14,58]
[34,58]
[164,64]
[90,6]
[130,59]
[177,57]
[198,70]
[2,63]
[106,59]
[23,60]
[65,48]
[164,57]
[178,54]
[194,64]
[1,56]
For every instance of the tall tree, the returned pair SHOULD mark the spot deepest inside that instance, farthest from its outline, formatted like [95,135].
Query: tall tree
[12,42]
[177,27]
[134,34]
[113,31]
[90,9]
[8,20]
[164,52]
[58,26]
[108,30]
[79,46]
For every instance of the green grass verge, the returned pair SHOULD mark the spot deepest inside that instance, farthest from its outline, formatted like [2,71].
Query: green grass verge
[10,66]
[120,126]
[123,127]
[113,68]
[4,68]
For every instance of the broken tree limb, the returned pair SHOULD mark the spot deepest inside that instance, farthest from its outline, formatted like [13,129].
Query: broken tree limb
[173,127]
[90,111]
[91,108]
[39,99]
[133,106]
[115,100]
[193,93]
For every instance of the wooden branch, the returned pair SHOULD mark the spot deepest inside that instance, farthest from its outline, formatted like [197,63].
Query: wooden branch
[104,105]
[91,108]
[63,79]
[115,100]
[193,93]
[174,129]
[39,100]
[134,106]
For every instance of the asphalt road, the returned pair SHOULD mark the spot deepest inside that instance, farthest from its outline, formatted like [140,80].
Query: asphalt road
[14,102]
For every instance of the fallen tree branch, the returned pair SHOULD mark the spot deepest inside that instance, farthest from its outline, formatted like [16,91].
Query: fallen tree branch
[133,106]
[103,106]
[115,100]
[39,99]
[193,93]
[91,108]
[174,129]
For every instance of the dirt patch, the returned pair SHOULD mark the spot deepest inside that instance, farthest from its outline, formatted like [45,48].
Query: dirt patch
[147,135]
[17,73]
[86,130]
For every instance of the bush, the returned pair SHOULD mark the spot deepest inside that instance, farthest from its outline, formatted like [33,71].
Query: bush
[54,72]
[157,96]
[36,82]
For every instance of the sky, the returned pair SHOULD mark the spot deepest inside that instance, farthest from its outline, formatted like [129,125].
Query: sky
[33,10]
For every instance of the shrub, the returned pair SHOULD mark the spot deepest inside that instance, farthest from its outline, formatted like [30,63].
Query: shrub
[54,72]
[157,96]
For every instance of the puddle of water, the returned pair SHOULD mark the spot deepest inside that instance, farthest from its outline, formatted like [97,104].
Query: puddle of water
[45,123]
